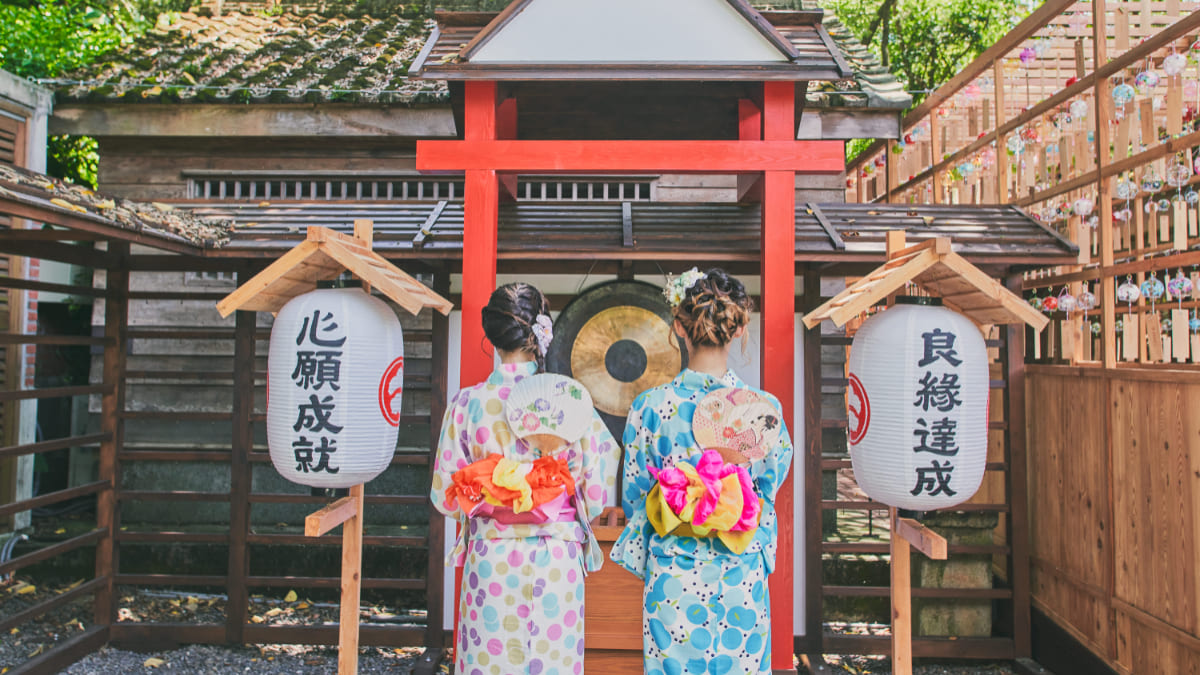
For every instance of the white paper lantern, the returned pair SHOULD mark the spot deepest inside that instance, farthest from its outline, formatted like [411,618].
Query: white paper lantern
[334,379]
[917,401]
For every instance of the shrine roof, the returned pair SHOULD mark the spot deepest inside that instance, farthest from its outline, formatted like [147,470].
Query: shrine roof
[335,55]
[1000,234]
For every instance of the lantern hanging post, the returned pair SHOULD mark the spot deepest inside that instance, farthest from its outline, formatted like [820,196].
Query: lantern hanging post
[907,534]
[324,255]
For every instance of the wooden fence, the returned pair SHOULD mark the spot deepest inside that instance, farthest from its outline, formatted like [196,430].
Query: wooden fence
[225,445]
[1114,489]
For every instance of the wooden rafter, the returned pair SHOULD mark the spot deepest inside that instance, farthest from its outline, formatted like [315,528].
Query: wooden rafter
[324,255]
[939,271]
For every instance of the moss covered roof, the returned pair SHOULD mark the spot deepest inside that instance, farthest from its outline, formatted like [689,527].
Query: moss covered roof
[328,55]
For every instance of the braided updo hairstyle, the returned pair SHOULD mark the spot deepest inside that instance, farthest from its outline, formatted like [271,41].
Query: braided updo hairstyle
[509,317]
[714,309]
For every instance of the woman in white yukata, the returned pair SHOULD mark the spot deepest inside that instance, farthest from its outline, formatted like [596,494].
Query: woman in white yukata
[705,602]
[521,607]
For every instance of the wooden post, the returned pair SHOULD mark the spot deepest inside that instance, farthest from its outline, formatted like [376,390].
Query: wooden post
[901,601]
[347,512]
[907,533]
[779,344]
[112,405]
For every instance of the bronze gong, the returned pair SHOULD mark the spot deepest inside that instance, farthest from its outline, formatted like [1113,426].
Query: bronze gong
[616,339]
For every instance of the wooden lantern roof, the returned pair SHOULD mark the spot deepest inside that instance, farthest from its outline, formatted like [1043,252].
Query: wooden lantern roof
[939,271]
[628,40]
[323,255]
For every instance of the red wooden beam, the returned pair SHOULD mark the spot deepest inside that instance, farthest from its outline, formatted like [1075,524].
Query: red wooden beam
[749,129]
[778,360]
[481,209]
[633,156]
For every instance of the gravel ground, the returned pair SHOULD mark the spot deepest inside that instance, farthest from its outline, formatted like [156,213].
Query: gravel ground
[263,659]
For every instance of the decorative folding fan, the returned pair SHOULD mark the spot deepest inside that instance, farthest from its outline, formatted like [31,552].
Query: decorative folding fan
[740,424]
[549,411]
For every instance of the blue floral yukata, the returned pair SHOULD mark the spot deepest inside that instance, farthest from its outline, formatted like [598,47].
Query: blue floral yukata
[706,610]
[521,607]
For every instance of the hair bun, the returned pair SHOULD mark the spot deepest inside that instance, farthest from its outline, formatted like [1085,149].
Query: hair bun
[714,309]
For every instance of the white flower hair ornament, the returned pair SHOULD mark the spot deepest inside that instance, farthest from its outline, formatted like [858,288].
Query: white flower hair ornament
[543,332]
[677,287]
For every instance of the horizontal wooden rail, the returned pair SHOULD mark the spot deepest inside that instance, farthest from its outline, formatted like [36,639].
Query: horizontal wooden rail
[135,634]
[333,582]
[181,415]
[861,505]
[917,592]
[183,375]
[180,333]
[62,340]
[34,611]
[177,295]
[56,444]
[174,456]
[54,392]
[282,498]
[399,459]
[161,537]
[66,289]
[334,540]
[171,580]
[830,464]
[53,498]
[883,548]
[64,653]
[47,552]
[171,496]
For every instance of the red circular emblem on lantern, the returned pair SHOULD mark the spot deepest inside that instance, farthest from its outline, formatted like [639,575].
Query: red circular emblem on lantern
[389,394]
[860,417]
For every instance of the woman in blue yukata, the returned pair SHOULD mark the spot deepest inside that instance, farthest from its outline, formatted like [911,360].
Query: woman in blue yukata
[521,607]
[705,602]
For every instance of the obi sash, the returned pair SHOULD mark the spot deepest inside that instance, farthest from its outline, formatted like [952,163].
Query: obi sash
[707,498]
[520,493]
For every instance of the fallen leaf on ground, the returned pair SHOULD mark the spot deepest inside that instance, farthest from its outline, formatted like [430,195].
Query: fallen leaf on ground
[257,619]
[290,597]
[153,662]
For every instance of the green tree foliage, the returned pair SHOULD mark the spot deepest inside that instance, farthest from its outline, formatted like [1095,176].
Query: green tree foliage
[49,39]
[926,42]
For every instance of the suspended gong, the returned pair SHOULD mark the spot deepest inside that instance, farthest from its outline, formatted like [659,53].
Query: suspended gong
[616,339]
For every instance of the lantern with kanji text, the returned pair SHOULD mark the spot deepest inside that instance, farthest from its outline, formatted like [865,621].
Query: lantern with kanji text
[334,380]
[917,400]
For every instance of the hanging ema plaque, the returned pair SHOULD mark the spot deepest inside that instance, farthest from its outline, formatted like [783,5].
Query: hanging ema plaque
[334,376]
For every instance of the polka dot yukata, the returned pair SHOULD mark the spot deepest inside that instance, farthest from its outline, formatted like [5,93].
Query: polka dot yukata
[521,608]
[705,609]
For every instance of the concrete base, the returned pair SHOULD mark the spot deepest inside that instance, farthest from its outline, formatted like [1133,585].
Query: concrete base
[959,618]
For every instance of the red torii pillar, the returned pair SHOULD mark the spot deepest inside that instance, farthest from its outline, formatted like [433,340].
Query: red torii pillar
[766,145]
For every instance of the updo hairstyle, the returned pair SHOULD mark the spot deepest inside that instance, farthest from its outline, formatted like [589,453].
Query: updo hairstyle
[713,309]
[509,317]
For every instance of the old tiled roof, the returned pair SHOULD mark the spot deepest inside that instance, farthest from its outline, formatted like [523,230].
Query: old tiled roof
[153,221]
[873,85]
[324,56]
[244,58]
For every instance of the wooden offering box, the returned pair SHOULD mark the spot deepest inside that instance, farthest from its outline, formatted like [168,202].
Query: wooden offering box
[613,607]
